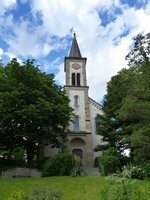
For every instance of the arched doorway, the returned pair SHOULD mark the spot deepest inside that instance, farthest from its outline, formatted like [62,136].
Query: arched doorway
[79,153]
[78,147]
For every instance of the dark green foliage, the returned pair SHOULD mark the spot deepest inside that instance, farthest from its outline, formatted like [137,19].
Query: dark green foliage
[38,164]
[33,109]
[110,164]
[126,120]
[11,163]
[110,161]
[110,127]
[59,165]
[145,166]
[141,50]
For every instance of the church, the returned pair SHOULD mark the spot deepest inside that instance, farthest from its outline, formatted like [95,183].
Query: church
[82,137]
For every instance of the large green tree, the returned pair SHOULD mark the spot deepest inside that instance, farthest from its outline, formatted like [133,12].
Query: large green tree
[126,119]
[33,109]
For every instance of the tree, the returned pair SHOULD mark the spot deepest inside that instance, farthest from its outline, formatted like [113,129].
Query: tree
[134,112]
[125,123]
[33,109]
[110,127]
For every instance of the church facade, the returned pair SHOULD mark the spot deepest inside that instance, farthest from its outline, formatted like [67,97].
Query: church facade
[82,137]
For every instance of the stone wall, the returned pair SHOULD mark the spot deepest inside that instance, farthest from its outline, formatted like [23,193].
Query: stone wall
[20,172]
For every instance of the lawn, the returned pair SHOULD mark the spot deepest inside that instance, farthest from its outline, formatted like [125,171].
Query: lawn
[85,188]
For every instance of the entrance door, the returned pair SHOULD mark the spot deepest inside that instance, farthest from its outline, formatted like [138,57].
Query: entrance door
[79,153]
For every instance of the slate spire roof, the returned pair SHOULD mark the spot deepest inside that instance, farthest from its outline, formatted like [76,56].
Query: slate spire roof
[75,51]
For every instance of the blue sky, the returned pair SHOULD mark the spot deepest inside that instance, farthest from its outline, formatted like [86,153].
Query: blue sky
[42,29]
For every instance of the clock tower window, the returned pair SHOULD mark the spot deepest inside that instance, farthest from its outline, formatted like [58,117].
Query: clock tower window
[78,79]
[73,78]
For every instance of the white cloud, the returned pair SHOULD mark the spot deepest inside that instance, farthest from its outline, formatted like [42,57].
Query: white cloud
[104,46]
[6,5]
[1,52]
[49,66]
[60,77]
[11,56]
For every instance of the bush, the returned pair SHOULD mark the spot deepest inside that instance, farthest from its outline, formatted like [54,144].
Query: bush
[123,189]
[77,171]
[110,164]
[109,161]
[145,166]
[59,165]
[133,171]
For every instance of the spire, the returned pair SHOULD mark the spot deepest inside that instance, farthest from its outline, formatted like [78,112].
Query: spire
[75,51]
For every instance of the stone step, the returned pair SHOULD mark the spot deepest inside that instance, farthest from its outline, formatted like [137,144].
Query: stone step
[92,171]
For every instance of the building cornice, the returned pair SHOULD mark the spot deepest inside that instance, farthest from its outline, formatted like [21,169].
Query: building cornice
[96,104]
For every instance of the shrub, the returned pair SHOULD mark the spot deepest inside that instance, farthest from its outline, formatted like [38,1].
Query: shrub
[145,166]
[77,171]
[133,171]
[123,189]
[58,165]
[109,161]
[110,164]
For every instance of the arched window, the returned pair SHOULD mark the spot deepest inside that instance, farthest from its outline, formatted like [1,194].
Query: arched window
[73,79]
[78,78]
[76,103]
[76,123]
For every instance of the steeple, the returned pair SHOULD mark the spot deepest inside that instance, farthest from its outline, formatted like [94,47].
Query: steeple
[75,51]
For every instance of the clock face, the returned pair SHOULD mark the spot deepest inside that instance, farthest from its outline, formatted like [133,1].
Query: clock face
[75,66]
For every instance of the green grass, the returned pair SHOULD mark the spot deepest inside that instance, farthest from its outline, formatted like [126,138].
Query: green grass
[84,188]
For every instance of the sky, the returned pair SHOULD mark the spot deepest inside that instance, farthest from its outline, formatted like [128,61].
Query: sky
[43,30]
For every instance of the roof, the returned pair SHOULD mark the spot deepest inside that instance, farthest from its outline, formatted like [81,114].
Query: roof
[75,51]
[96,104]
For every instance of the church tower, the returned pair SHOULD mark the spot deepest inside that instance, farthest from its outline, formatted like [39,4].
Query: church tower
[79,130]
